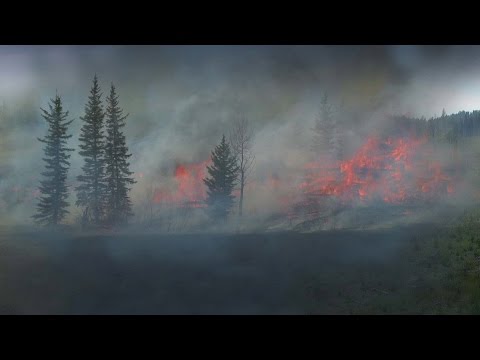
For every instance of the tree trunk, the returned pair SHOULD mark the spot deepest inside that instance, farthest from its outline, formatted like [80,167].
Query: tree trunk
[241,195]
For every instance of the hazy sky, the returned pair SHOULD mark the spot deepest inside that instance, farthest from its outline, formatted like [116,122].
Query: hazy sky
[416,79]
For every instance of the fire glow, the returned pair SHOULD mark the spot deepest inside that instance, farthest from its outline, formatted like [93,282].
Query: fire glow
[188,189]
[394,170]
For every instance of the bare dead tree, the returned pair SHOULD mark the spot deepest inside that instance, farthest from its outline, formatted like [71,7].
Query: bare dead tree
[241,141]
[147,202]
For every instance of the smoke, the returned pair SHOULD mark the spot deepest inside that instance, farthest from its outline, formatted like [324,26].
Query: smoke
[180,100]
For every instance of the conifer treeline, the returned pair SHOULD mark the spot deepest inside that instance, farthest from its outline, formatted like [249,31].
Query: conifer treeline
[449,128]
[105,180]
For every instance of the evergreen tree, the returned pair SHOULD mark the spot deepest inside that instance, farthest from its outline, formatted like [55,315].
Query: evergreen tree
[51,209]
[327,137]
[337,143]
[223,177]
[323,128]
[91,191]
[117,173]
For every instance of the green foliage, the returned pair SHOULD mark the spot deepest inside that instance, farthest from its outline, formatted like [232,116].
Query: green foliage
[117,173]
[222,179]
[92,189]
[446,128]
[52,207]
[450,266]
[437,272]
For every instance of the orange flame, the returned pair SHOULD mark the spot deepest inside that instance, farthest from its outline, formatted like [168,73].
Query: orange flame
[379,169]
[188,188]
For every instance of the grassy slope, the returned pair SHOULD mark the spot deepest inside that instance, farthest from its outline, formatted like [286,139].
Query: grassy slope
[439,274]
[405,270]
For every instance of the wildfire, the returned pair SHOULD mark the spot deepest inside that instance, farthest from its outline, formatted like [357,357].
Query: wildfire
[188,188]
[395,170]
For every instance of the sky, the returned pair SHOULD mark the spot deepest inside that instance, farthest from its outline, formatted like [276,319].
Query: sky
[180,97]
[441,76]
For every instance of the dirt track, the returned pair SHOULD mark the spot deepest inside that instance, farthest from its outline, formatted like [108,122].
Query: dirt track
[276,273]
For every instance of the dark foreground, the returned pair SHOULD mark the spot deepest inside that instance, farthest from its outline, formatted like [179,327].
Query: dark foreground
[330,272]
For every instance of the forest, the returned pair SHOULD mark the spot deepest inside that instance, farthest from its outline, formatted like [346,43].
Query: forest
[194,196]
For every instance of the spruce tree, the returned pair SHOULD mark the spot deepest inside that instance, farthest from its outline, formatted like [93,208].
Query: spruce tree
[223,174]
[51,209]
[117,173]
[324,127]
[91,191]
[327,137]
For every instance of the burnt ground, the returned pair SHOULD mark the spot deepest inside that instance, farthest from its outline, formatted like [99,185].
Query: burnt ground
[329,272]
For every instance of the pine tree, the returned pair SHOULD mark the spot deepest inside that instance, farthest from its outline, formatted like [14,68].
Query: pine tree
[337,143]
[91,191]
[326,133]
[117,173]
[223,177]
[51,209]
